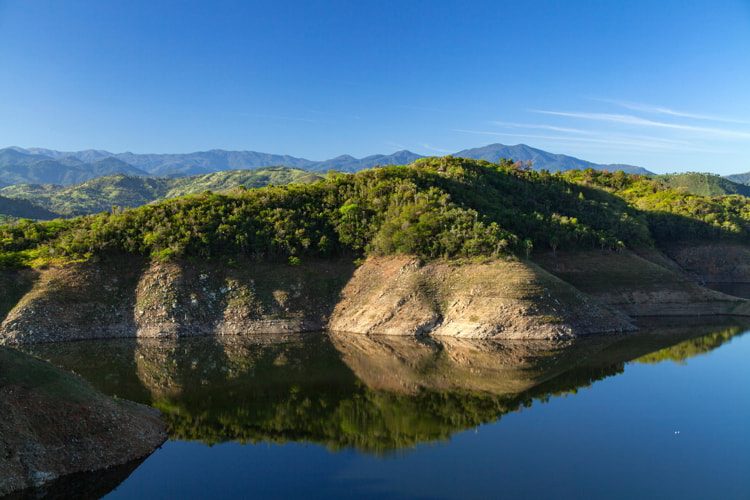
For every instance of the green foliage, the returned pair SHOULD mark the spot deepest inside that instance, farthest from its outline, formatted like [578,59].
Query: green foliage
[435,208]
[680,353]
[672,213]
[104,193]
[703,184]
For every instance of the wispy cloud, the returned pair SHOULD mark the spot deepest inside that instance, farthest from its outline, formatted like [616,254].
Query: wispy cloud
[553,128]
[662,110]
[428,147]
[590,133]
[645,122]
[611,141]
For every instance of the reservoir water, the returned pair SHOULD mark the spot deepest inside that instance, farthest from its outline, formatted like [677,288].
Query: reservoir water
[661,414]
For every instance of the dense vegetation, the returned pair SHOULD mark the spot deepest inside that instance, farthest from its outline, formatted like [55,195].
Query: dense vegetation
[435,208]
[103,193]
[703,184]
[672,213]
[23,209]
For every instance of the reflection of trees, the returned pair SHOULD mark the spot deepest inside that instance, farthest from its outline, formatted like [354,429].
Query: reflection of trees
[692,347]
[374,394]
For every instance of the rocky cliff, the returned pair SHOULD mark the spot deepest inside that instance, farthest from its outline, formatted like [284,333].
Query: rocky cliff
[508,299]
[562,295]
[130,297]
[54,424]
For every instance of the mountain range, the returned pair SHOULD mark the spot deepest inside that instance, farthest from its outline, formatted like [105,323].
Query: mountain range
[46,166]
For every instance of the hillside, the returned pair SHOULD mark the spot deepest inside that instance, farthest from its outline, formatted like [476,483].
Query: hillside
[437,207]
[740,178]
[103,193]
[23,209]
[445,246]
[55,424]
[230,179]
[704,184]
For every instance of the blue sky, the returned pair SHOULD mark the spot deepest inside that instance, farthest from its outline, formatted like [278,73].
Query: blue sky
[661,84]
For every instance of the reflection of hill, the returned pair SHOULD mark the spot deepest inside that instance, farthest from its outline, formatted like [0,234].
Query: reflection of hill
[375,394]
[408,365]
[692,347]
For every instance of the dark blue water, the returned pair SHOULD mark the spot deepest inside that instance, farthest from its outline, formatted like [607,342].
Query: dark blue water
[663,414]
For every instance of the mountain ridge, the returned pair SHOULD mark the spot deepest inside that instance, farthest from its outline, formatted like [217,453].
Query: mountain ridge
[47,166]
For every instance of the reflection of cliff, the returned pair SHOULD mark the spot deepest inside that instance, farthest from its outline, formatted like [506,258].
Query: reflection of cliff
[377,394]
[408,365]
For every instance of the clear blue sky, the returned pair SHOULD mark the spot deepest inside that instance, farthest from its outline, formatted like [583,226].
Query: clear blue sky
[661,84]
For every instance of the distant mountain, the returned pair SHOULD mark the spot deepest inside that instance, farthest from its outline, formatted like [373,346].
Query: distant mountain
[18,166]
[46,166]
[740,178]
[541,160]
[176,165]
[703,184]
[346,163]
[103,193]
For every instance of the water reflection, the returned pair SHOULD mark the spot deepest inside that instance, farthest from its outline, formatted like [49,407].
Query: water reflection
[375,394]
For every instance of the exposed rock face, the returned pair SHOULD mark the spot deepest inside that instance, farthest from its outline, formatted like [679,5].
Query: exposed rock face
[132,298]
[501,299]
[560,296]
[640,287]
[54,424]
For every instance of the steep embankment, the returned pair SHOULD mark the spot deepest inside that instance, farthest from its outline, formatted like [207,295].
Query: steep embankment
[508,299]
[130,297]
[639,286]
[567,295]
[394,296]
[714,262]
[53,424]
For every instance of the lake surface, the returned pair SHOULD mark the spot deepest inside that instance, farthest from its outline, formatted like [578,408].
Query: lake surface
[661,414]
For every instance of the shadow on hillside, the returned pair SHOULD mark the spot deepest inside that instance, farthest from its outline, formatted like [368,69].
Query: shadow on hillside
[14,284]
[534,206]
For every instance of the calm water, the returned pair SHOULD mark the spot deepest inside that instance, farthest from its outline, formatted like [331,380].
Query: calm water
[663,414]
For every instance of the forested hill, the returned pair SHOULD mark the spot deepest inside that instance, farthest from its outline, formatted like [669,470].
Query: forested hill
[703,184]
[23,209]
[103,193]
[435,208]
[740,178]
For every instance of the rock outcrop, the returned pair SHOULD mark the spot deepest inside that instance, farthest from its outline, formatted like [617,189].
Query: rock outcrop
[555,296]
[499,299]
[130,297]
[54,424]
